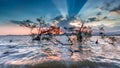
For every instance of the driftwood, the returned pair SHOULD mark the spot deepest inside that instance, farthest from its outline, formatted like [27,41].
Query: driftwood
[50,38]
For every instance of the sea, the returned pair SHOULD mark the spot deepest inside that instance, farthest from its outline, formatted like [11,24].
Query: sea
[19,51]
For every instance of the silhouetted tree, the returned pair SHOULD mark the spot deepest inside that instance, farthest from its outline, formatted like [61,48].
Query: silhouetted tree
[42,23]
[79,35]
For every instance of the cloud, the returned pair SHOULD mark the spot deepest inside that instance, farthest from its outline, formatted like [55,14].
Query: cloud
[114,13]
[26,23]
[116,9]
[97,18]
[109,5]
[58,17]
[92,19]
[106,6]
[99,13]
[16,22]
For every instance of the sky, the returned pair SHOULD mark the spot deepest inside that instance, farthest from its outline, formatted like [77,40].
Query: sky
[93,12]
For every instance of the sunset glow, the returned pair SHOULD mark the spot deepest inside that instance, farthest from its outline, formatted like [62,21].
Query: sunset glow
[14,30]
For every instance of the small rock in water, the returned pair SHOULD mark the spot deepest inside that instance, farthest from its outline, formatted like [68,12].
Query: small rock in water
[96,42]
[11,46]
[6,52]
[76,50]
[10,41]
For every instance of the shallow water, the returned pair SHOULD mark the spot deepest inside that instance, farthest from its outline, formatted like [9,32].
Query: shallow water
[23,53]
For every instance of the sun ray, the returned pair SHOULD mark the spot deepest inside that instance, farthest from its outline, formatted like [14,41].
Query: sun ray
[62,6]
[74,6]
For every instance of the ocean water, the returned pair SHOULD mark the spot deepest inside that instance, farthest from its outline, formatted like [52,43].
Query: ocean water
[21,52]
